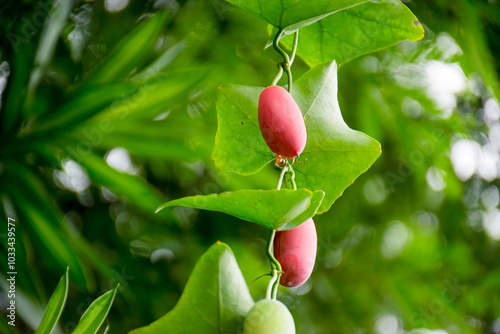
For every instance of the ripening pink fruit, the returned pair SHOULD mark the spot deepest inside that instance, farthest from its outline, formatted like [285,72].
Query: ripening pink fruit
[295,249]
[281,122]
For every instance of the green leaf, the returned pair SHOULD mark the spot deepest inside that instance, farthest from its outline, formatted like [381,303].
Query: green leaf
[356,31]
[334,156]
[316,200]
[239,145]
[293,14]
[216,298]
[275,209]
[55,307]
[92,319]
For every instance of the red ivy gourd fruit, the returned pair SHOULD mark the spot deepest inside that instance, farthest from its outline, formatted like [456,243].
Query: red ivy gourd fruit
[295,249]
[269,317]
[281,122]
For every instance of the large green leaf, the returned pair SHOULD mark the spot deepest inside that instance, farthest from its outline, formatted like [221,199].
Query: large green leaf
[239,145]
[92,319]
[293,14]
[55,307]
[275,209]
[334,156]
[356,31]
[215,301]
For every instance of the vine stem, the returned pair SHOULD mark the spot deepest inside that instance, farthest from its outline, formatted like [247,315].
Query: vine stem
[278,76]
[282,175]
[294,49]
[276,270]
[272,288]
[286,59]
[292,177]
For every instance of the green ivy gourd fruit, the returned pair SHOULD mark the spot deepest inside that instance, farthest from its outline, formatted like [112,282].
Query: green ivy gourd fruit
[281,122]
[269,317]
[295,249]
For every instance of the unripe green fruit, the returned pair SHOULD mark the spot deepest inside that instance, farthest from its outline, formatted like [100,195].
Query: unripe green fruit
[269,317]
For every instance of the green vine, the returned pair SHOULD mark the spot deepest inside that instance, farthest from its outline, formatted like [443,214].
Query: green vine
[276,270]
[286,65]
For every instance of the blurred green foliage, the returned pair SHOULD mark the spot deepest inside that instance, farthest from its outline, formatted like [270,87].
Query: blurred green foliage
[101,125]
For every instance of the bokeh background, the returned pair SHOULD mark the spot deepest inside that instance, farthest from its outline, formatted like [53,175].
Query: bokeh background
[413,246]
